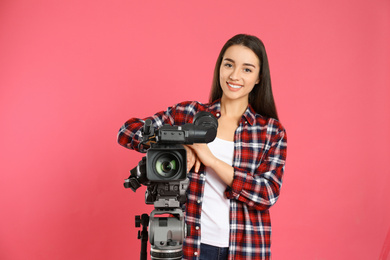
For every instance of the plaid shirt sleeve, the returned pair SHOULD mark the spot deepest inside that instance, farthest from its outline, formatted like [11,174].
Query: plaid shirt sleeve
[130,134]
[260,188]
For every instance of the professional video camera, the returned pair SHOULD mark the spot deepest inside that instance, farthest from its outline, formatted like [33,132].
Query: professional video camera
[164,172]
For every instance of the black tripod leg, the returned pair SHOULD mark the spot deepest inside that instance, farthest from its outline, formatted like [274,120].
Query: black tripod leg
[143,235]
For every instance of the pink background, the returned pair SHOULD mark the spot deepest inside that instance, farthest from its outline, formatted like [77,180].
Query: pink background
[71,72]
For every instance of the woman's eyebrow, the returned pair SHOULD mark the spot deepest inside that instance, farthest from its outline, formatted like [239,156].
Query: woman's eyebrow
[245,64]
[228,59]
[249,64]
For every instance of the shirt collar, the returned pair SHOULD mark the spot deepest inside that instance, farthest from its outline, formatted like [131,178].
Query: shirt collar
[249,114]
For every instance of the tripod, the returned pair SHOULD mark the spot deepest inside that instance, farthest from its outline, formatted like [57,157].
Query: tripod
[166,222]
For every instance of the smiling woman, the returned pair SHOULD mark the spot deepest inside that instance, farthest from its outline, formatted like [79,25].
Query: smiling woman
[252,54]
[239,72]
[235,179]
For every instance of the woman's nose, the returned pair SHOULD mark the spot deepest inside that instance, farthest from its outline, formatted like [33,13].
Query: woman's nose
[234,75]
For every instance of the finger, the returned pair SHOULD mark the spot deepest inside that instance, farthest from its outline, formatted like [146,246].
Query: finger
[197,165]
[189,166]
[188,150]
[190,163]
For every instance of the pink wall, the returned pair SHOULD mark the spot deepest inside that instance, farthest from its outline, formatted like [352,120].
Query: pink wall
[71,72]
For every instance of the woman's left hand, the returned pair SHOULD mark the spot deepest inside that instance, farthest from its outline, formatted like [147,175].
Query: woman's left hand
[204,155]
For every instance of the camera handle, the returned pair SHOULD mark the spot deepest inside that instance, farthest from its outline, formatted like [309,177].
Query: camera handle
[143,235]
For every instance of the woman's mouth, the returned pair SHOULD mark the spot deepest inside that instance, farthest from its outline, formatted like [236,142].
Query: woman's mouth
[234,86]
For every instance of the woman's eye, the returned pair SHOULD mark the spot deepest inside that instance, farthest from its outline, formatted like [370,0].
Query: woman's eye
[247,70]
[228,65]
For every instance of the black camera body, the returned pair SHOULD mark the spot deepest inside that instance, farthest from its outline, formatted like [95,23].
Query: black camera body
[166,157]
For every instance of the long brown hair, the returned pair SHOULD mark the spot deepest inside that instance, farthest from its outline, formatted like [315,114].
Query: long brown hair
[261,98]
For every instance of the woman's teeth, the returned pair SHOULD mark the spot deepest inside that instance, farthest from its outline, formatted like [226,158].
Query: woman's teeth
[234,86]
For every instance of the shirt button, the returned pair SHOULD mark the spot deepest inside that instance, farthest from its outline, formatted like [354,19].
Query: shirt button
[218,114]
[202,175]
[199,201]
[197,227]
[196,253]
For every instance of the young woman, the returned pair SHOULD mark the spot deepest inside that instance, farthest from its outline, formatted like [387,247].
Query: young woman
[235,179]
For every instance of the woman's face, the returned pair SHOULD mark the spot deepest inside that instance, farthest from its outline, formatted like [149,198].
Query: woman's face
[239,72]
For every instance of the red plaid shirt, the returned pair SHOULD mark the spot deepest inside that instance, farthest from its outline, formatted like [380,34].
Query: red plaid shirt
[259,157]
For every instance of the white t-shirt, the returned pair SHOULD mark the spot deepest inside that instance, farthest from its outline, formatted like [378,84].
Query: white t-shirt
[215,206]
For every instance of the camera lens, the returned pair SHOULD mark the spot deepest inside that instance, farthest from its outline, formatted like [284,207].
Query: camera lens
[167,165]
